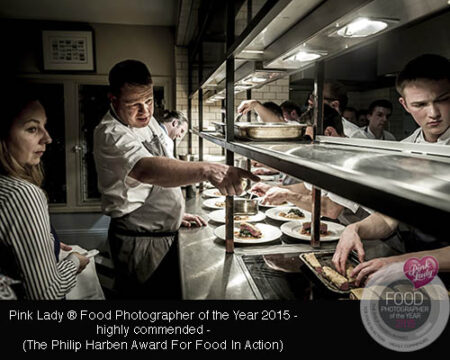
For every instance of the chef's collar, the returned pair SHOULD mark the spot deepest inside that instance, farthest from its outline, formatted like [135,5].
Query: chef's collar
[114,114]
[164,128]
[444,139]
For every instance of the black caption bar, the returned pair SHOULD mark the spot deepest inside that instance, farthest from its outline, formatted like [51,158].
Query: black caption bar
[280,328]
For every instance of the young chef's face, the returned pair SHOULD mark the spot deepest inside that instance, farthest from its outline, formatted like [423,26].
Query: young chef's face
[181,130]
[134,106]
[379,117]
[28,137]
[428,101]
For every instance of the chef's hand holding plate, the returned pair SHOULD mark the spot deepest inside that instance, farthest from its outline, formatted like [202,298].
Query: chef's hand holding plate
[192,220]
[348,241]
[228,179]
[276,196]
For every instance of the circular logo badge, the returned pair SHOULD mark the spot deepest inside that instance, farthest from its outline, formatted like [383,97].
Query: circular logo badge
[400,315]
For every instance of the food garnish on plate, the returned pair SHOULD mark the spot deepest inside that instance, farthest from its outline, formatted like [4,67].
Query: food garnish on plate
[248,231]
[241,217]
[337,279]
[220,204]
[306,228]
[292,214]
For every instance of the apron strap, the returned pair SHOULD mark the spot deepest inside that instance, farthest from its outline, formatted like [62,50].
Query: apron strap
[125,232]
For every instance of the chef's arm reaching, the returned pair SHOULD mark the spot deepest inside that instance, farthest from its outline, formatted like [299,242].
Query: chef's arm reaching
[265,114]
[367,268]
[167,172]
[301,198]
[375,226]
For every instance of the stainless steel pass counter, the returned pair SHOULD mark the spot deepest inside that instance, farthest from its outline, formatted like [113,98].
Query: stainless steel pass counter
[207,272]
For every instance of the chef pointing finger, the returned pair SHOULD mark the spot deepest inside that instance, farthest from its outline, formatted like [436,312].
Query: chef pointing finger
[140,186]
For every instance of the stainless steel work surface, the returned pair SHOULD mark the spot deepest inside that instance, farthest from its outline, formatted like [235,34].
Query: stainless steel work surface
[207,272]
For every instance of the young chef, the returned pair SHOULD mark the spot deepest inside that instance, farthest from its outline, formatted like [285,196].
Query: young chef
[378,115]
[140,186]
[424,87]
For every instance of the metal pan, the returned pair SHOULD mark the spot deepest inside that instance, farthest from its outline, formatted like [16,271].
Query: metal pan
[268,131]
[324,257]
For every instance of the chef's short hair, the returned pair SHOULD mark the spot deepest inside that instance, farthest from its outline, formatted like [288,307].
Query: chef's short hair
[132,72]
[168,116]
[379,103]
[289,106]
[427,66]
[332,118]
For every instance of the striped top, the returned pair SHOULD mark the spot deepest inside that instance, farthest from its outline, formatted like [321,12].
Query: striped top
[27,245]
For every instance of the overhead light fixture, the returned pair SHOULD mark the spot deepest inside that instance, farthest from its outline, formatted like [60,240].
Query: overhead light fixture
[253,51]
[305,56]
[362,27]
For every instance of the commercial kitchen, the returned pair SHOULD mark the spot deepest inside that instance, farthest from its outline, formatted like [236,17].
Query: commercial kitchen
[206,58]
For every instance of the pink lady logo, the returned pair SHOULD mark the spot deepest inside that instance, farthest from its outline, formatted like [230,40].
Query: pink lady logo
[421,271]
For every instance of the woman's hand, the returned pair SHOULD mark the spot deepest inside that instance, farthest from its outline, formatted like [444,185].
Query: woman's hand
[64,247]
[83,261]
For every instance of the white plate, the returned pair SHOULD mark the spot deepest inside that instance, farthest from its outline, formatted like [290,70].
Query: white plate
[292,229]
[273,213]
[214,192]
[219,216]
[269,233]
[211,203]
[273,206]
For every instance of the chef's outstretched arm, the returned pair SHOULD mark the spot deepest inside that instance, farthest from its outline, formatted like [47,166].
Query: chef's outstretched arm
[167,172]
[375,226]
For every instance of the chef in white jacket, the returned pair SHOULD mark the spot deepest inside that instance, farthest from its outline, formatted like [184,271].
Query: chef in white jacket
[175,126]
[140,186]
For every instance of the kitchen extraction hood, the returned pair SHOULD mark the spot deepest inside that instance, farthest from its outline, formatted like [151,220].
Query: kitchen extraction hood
[304,32]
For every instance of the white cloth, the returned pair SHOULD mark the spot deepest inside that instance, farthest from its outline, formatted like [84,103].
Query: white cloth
[170,144]
[366,133]
[337,199]
[117,149]
[418,138]
[349,128]
[88,285]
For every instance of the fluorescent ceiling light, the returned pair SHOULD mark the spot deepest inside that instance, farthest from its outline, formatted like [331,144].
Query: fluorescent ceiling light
[253,51]
[306,56]
[362,27]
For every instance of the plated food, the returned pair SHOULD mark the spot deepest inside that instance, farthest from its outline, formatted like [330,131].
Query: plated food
[302,230]
[215,203]
[323,269]
[219,216]
[247,233]
[307,228]
[212,193]
[288,213]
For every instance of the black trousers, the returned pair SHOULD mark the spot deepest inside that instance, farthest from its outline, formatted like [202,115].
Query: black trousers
[163,284]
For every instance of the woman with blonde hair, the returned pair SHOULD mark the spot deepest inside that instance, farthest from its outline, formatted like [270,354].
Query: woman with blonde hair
[27,247]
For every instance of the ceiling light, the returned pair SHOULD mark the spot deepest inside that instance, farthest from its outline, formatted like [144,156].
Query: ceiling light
[306,56]
[253,51]
[362,27]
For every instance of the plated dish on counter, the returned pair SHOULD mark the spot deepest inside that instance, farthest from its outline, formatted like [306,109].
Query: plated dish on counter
[215,203]
[219,216]
[301,230]
[247,233]
[288,213]
[213,192]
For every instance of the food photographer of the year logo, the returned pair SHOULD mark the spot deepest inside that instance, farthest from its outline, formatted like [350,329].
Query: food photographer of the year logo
[405,306]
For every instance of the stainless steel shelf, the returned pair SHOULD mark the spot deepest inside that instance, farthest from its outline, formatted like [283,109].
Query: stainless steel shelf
[413,188]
